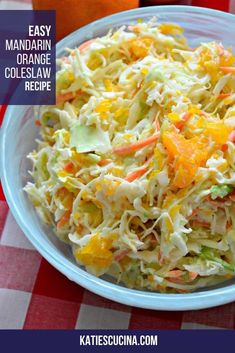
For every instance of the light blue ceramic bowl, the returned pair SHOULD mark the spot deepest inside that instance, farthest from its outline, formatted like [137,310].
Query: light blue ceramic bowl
[18,138]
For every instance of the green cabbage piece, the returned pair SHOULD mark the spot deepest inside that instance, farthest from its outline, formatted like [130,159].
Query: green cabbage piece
[155,74]
[209,254]
[64,78]
[89,138]
[220,190]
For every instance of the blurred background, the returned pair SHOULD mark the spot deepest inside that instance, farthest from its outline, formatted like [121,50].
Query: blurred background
[72,14]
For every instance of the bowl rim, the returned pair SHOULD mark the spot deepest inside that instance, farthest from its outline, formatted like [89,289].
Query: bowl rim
[114,292]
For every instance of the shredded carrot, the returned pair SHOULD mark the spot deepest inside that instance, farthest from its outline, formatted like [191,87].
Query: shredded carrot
[104,162]
[194,212]
[183,291]
[192,276]
[187,116]
[137,88]
[136,174]
[174,274]
[229,223]
[231,137]
[232,198]
[176,280]
[61,98]
[223,95]
[202,113]
[139,172]
[152,239]
[228,69]
[64,219]
[85,45]
[216,203]
[69,167]
[156,123]
[38,122]
[122,151]
[180,124]
[160,258]
[134,29]
[224,147]
[64,97]
[200,223]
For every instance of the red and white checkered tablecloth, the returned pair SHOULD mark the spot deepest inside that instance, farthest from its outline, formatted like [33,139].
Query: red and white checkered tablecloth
[33,295]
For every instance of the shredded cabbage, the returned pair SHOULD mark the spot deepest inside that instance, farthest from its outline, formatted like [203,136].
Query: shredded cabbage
[135,168]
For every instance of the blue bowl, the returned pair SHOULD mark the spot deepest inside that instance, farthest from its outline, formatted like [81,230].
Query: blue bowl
[18,139]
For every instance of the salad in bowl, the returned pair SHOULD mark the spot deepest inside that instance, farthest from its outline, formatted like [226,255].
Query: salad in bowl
[135,167]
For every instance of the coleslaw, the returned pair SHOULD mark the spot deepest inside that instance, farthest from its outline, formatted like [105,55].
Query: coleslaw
[135,167]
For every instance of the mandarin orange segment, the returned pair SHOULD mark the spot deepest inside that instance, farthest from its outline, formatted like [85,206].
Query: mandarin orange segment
[140,47]
[184,173]
[174,143]
[188,156]
[96,252]
[218,131]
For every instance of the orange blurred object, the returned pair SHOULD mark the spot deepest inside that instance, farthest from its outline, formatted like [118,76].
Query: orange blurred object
[72,14]
[157,2]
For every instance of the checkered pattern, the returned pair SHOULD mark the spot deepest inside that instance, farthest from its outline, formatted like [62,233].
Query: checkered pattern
[33,295]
